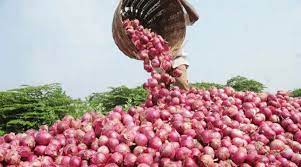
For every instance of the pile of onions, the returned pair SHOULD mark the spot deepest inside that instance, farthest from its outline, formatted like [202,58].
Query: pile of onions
[174,127]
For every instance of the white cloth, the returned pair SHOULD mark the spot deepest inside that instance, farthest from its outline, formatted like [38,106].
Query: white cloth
[180,59]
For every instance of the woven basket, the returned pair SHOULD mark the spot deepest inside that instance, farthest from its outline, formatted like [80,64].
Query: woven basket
[165,17]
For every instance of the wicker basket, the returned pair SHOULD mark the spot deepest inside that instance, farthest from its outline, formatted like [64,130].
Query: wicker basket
[165,17]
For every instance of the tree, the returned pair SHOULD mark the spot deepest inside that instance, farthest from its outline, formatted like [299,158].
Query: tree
[207,85]
[31,106]
[122,96]
[240,83]
[296,93]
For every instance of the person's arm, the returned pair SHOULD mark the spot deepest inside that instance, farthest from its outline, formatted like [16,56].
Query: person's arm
[180,62]
[192,13]
[182,81]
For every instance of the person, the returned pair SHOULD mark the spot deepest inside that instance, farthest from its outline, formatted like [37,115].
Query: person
[179,57]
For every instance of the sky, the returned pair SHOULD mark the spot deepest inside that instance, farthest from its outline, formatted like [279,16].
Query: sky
[70,42]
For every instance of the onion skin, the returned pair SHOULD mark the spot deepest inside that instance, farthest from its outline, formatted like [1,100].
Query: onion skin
[206,161]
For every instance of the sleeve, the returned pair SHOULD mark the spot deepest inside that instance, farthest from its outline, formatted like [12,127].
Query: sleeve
[180,59]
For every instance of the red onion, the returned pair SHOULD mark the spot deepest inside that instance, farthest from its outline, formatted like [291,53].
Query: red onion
[182,153]
[165,115]
[155,143]
[258,119]
[99,159]
[141,139]
[186,141]
[233,149]
[86,154]
[138,150]
[62,126]
[103,140]
[75,161]
[111,165]
[239,142]
[69,133]
[154,165]
[189,162]
[122,148]
[274,118]
[116,158]
[127,119]
[296,158]
[39,150]
[129,159]
[94,145]
[79,134]
[297,136]
[43,138]
[277,128]
[195,152]
[206,160]
[112,143]
[237,133]
[103,149]
[145,158]
[2,154]
[209,151]
[71,149]
[167,150]
[239,157]
[28,141]
[206,136]
[9,137]
[12,157]
[149,134]
[226,142]
[223,153]
[173,136]
[143,165]
[82,146]
[277,145]
[89,137]
[287,153]
[46,161]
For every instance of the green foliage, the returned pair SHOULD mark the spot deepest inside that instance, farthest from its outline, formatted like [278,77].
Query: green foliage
[240,83]
[296,93]
[2,132]
[206,85]
[122,96]
[30,106]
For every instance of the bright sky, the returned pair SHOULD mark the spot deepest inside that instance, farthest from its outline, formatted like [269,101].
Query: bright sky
[70,42]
